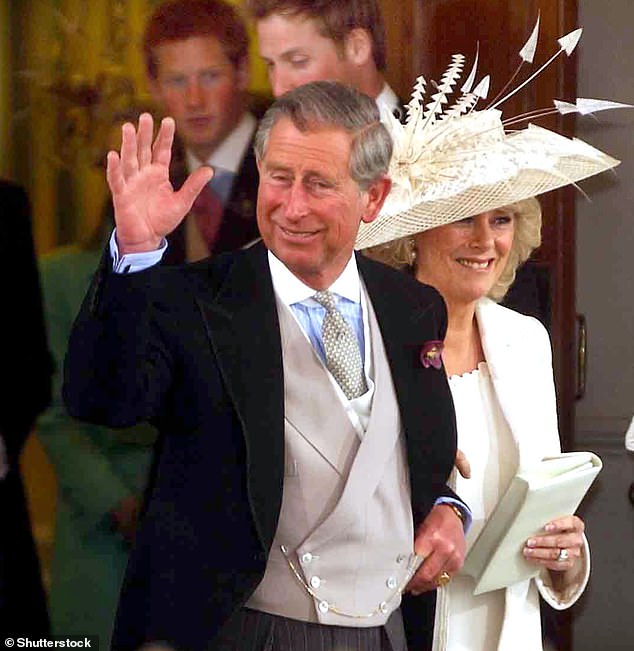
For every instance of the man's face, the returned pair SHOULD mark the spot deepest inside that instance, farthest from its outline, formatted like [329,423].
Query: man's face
[201,89]
[296,53]
[309,208]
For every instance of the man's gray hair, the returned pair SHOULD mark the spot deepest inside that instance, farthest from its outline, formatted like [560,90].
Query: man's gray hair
[324,104]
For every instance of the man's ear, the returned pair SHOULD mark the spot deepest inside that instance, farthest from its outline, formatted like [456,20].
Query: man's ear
[375,196]
[357,46]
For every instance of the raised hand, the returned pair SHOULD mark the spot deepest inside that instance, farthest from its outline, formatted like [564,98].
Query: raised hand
[146,207]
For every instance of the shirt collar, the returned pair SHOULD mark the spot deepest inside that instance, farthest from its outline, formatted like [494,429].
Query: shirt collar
[387,99]
[230,152]
[290,289]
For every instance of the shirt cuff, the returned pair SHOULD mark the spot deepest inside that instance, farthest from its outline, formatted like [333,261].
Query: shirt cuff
[133,262]
[560,600]
[464,509]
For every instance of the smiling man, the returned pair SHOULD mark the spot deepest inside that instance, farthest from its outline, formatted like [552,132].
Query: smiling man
[331,40]
[196,54]
[304,447]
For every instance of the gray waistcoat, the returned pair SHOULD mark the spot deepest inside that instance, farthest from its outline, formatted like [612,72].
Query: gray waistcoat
[346,519]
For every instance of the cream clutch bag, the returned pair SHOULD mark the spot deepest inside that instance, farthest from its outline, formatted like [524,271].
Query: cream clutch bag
[552,488]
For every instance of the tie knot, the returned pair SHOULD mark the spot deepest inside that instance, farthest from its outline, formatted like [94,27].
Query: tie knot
[326,299]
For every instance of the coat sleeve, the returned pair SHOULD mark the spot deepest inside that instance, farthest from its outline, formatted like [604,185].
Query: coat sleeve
[118,366]
[562,599]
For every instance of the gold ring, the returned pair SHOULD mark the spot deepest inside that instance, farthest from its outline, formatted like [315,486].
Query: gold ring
[443,579]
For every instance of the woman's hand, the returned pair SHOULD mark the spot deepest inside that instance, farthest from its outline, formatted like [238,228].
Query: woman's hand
[146,208]
[462,464]
[559,548]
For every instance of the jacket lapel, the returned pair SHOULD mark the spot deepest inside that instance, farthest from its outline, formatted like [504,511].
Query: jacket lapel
[407,320]
[497,349]
[376,449]
[517,388]
[507,351]
[245,338]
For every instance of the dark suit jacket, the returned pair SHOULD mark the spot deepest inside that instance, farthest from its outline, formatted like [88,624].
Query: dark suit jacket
[24,393]
[197,351]
[238,226]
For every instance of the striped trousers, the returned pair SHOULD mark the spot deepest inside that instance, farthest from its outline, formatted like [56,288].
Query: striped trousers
[254,630]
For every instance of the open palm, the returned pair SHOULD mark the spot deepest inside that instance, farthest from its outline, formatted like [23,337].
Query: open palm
[146,207]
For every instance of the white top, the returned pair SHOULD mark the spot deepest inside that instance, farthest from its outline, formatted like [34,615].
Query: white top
[484,436]
[387,99]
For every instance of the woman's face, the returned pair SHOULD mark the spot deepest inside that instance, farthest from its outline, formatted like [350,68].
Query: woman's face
[463,260]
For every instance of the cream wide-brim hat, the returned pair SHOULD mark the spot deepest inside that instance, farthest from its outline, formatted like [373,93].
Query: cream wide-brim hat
[468,165]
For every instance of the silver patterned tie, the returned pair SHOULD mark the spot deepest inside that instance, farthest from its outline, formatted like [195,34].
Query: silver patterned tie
[343,357]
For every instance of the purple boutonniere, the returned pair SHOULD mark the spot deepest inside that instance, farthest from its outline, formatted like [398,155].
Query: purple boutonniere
[431,354]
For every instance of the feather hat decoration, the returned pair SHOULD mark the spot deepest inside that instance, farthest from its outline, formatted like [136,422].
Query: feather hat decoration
[451,161]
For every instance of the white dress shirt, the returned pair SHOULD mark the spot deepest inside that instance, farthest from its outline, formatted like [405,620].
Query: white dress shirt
[387,100]
[291,291]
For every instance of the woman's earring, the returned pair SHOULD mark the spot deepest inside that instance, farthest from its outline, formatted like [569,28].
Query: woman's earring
[412,251]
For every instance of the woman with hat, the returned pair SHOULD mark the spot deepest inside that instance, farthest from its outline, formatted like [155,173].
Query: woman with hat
[462,216]
[499,367]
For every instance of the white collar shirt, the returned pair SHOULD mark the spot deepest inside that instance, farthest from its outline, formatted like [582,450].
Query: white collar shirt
[291,291]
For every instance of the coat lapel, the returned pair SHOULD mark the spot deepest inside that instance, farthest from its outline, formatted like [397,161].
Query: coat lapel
[526,399]
[498,352]
[376,449]
[407,320]
[245,338]
[518,387]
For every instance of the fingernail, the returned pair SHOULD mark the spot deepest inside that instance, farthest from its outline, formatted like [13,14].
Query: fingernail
[530,542]
[549,527]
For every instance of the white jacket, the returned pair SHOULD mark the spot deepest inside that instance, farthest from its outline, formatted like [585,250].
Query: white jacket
[519,358]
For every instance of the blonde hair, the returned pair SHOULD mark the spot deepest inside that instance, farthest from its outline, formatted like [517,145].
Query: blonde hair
[526,238]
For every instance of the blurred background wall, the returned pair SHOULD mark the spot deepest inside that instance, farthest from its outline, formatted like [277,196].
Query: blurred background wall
[605,277]
[5,57]
[66,66]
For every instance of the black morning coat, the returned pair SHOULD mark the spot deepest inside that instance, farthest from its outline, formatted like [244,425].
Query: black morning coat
[196,350]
